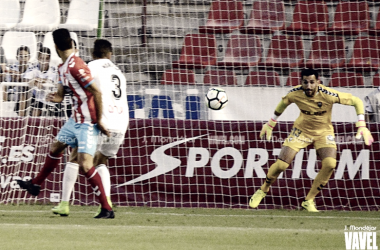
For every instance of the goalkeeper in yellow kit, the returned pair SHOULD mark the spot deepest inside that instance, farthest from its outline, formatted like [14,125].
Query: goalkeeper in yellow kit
[313,126]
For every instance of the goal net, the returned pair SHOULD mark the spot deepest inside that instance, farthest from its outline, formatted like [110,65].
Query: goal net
[177,152]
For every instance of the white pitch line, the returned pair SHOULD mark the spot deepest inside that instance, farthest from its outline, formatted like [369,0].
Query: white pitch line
[260,215]
[209,215]
[134,227]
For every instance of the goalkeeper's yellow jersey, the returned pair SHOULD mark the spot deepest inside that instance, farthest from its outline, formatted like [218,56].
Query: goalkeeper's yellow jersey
[315,112]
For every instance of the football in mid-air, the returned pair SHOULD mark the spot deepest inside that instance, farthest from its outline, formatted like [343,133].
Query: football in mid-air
[216,98]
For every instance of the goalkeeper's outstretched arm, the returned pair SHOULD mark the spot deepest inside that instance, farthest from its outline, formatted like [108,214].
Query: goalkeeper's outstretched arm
[268,127]
[361,125]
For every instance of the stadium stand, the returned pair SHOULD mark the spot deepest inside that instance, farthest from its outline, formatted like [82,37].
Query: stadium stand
[263,78]
[366,54]
[198,51]
[40,15]
[376,80]
[82,16]
[309,17]
[375,30]
[242,52]
[284,52]
[224,17]
[219,77]
[351,18]
[9,16]
[12,40]
[178,76]
[293,79]
[346,79]
[266,17]
[327,52]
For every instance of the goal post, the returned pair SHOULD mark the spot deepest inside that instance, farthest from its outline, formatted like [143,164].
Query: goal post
[177,152]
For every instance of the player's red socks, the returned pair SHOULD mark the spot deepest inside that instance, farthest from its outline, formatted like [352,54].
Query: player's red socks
[96,182]
[51,162]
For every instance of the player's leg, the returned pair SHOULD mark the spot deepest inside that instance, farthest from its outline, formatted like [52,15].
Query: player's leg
[286,156]
[70,175]
[100,161]
[52,160]
[85,162]
[66,137]
[328,157]
[108,147]
[87,139]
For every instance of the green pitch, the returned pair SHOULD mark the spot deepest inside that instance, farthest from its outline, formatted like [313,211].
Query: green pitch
[35,227]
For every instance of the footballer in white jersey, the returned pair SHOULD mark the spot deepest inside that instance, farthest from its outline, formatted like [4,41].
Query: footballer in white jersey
[112,84]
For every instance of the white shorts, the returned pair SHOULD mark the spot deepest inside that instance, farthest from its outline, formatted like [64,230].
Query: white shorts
[109,146]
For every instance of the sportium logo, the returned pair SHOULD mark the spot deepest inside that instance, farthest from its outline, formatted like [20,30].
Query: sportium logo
[360,237]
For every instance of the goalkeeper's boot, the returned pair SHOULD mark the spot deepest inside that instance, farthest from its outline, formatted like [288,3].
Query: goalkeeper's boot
[256,198]
[309,206]
[100,206]
[105,214]
[32,189]
[62,209]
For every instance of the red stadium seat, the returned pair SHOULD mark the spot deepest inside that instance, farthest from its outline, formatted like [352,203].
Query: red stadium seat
[284,52]
[366,54]
[294,79]
[346,79]
[263,78]
[221,77]
[242,52]
[178,76]
[376,80]
[309,17]
[266,17]
[350,18]
[224,17]
[327,52]
[198,51]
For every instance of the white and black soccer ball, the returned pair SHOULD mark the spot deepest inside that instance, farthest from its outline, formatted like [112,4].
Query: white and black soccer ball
[216,98]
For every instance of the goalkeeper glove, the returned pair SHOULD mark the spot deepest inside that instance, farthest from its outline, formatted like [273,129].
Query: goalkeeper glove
[267,129]
[363,131]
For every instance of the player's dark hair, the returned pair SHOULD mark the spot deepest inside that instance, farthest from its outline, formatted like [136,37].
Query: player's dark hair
[309,72]
[23,48]
[101,48]
[62,39]
[45,50]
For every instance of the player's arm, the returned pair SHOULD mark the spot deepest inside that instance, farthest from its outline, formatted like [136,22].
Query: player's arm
[268,127]
[348,99]
[56,96]
[93,89]
[361,125]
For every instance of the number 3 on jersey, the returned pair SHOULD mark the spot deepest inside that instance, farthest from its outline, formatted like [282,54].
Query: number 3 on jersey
[117,91]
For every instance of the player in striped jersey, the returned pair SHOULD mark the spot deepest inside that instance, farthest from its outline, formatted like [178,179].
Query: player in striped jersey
[82,128]
[313,126]
[112,84]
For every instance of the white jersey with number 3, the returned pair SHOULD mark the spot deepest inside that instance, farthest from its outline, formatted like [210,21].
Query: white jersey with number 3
[112,84]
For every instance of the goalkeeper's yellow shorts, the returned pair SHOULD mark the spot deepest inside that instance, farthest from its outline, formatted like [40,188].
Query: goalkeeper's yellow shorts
[299,139]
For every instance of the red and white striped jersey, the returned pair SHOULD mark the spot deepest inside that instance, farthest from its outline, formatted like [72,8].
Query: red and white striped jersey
[75,74]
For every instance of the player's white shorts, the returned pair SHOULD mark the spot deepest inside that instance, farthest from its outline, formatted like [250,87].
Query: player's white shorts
[109,146]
